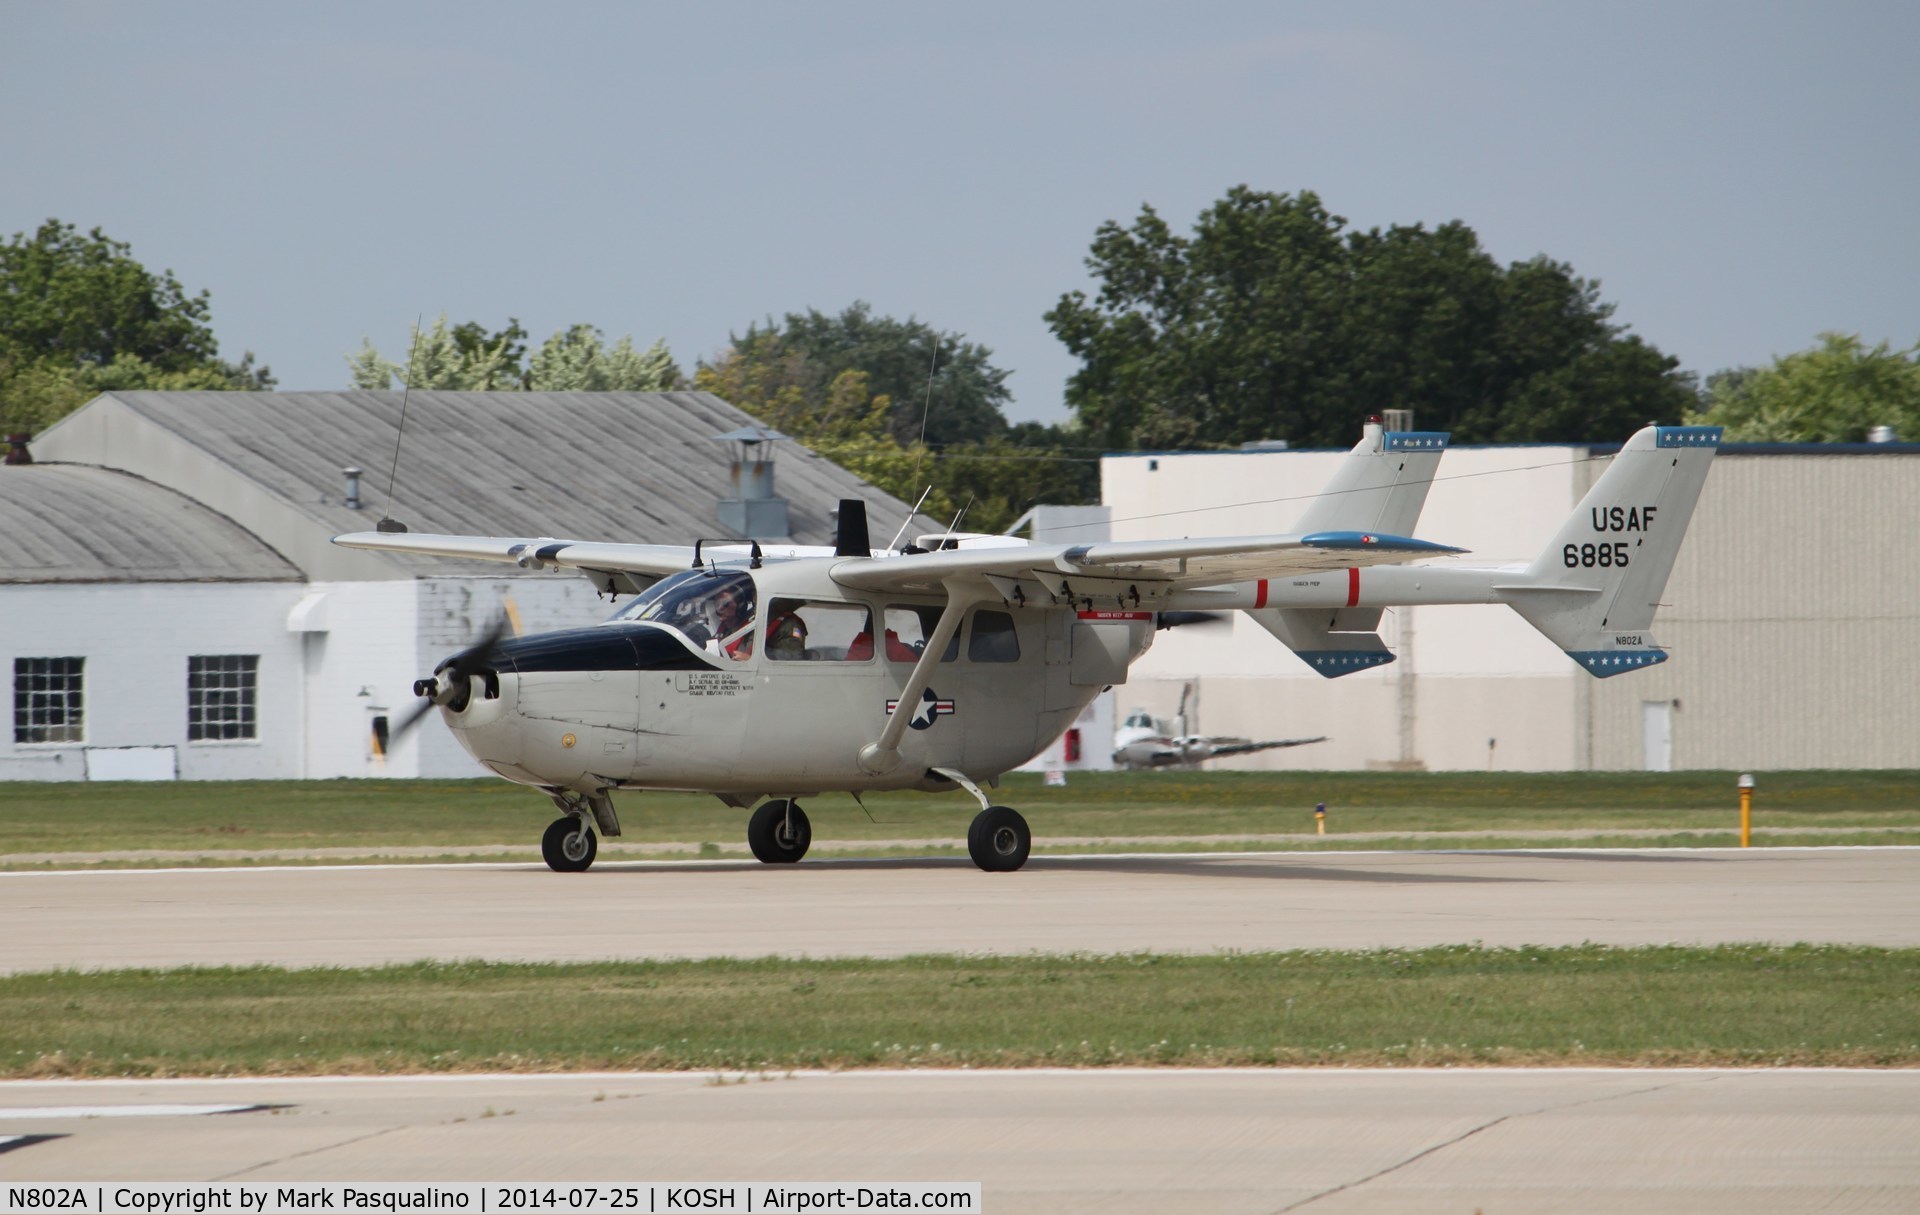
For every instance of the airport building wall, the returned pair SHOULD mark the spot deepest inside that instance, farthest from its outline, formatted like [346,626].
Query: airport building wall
[1790,618]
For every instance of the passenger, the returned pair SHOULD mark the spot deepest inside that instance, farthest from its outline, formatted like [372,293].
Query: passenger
[786,636]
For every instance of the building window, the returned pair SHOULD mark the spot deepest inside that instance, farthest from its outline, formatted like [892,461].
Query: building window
[47,701]
[220,696]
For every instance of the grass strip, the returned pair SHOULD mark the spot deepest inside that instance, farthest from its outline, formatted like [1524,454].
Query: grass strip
[1748,1005]
[253,815]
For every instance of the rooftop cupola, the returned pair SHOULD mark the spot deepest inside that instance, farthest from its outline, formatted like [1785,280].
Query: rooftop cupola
[753,511]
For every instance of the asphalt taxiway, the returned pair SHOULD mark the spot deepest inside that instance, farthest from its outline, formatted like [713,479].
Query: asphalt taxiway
[343,916]
[1325,1141]
[1749,1142]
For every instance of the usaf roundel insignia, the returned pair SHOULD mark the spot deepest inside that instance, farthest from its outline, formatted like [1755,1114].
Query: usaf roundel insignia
[924,714]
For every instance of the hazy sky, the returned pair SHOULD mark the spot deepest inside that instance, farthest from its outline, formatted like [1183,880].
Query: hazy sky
[1738,176]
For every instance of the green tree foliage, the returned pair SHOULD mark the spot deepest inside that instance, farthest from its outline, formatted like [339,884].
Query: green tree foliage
[466,358]
[839,415]
[80,316]
[1273,320]
[1834,392]
[967,390]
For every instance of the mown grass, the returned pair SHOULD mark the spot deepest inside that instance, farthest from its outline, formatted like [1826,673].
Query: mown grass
[241,816]
[1453,1005]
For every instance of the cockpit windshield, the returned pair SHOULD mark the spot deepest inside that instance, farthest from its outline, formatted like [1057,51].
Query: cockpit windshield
[712,608]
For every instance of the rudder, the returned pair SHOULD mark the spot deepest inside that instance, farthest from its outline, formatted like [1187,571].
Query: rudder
[1594,589]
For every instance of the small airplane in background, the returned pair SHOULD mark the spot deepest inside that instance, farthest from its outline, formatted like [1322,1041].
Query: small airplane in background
[763,675]
[1144,742]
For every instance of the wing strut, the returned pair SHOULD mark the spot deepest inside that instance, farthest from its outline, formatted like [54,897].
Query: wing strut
[883,754]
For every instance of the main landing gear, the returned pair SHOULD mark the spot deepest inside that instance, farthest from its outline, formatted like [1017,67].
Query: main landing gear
[779,832]
[998,841]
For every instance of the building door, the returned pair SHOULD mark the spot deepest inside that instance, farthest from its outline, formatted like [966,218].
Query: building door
[1656,735]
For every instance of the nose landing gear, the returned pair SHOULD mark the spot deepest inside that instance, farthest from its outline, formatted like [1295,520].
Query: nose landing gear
[569,845]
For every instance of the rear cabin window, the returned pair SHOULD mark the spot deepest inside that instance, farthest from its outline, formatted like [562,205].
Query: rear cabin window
[806,630]
[993,639]
[909,629]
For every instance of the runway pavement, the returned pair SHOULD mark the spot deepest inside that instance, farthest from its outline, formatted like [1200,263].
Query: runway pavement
[1326,1141]
[1334,1140]
[313,916]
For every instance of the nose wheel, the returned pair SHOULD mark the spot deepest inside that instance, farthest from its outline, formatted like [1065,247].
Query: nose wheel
[779,832]
[569,845]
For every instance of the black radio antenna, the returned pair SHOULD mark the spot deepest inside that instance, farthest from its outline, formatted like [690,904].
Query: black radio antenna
[387,522]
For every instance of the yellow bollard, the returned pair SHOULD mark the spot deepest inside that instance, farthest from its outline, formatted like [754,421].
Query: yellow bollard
[1320,818]
[1746,810]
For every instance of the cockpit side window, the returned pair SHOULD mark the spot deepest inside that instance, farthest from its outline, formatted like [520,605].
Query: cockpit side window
[714,609]
[802,630]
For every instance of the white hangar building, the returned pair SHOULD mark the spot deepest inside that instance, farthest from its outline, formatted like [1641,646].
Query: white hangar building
[171,604]
[1791,619]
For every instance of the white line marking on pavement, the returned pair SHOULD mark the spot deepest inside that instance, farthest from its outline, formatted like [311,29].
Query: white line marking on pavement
[125,1111]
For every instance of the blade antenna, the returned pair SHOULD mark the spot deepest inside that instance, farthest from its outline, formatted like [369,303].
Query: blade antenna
[909,519]
[387,522]
[926,407]
[954,527]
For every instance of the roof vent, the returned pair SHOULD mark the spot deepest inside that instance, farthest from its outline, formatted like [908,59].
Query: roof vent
[353,488]
[17,452]
[754,511]
[1879,434]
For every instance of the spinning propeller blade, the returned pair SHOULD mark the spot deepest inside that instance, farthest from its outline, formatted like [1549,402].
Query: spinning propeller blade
[1174,620]
[452,680]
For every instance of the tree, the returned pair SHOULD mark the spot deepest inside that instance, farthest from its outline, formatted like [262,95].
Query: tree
[1835,392]
[967,390]
[466,358]
[1274,321]
[80,316]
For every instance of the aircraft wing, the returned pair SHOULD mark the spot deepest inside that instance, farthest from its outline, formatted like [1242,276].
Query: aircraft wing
[1218,749]
[1170,564]
[543,552]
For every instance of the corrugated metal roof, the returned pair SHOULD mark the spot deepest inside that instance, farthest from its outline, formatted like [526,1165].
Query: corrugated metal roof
[619,466]
[71,523]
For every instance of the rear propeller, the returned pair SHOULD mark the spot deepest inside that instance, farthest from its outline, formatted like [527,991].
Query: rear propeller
[1175,620]
[451,684]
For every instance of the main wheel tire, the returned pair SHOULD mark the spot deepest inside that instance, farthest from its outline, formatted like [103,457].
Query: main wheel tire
[999,840]
[779,832]
[569,845]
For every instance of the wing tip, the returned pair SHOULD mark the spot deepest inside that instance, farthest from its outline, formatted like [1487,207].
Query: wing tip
[1377,541]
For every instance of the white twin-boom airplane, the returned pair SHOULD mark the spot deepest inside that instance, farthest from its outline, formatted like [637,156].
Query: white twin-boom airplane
[764,675]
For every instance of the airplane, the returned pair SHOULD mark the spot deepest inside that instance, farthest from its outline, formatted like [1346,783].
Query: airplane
[1142,742]
[763,675]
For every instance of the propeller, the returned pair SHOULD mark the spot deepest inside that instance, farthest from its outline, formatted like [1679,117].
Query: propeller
[452,681]
[1175,620]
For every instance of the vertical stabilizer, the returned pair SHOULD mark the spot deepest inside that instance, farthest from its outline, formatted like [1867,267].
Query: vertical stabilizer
[1380,487]
[1594,589]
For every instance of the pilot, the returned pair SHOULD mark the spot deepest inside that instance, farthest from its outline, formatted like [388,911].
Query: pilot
[786,636]
[727,612]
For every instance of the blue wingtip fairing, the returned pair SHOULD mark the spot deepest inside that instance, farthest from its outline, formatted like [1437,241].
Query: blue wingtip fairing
[1375,540]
